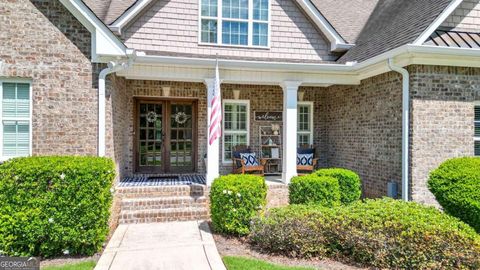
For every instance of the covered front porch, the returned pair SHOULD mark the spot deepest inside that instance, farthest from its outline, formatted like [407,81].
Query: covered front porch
[157,121]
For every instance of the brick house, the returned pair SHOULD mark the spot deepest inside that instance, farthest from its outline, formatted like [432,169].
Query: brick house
[387,88]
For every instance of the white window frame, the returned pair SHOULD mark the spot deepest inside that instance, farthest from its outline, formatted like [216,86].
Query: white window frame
[310,104]
[250,21]
[234,101]
[476,139]
[29,119]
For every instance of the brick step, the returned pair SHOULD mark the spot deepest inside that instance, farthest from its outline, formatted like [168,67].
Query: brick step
[161,191]
[163,215]
[162,202]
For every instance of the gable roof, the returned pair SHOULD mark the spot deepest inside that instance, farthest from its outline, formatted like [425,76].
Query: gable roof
[109,10]
[394,23]
[348,17]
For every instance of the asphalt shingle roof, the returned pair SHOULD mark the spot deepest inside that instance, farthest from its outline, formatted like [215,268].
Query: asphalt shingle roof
[348,17]
[394,23]
[109,10]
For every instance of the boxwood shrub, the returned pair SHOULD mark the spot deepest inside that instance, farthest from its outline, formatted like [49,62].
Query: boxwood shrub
[456,186]
[382,233]
[234,200]
[349,181]
[54,205]
[314,189]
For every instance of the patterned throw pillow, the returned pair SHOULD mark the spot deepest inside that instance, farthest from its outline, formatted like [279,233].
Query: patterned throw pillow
[250,159]
[305,159]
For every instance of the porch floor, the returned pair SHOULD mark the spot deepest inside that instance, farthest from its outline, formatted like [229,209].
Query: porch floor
[179,180]
[169,180]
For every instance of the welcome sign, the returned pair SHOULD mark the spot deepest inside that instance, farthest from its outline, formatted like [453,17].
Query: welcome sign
[269,116]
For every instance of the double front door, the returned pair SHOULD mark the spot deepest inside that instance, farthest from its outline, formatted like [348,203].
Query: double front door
[165,136]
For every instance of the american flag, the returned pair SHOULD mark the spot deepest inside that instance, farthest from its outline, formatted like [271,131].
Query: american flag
[215,129]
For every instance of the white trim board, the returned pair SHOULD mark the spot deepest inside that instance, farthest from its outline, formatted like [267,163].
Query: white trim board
[128,15]
[437,22]
[104,42]
[337,43]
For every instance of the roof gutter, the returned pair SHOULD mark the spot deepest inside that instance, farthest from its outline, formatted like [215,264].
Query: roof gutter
[405,125]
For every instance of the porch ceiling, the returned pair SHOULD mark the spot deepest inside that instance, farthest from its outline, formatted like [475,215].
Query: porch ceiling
[236,76]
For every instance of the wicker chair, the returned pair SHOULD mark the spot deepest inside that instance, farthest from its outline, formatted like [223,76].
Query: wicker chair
[306,169]
[239,164]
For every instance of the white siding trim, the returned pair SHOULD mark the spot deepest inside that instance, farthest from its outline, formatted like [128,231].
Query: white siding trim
[234,101]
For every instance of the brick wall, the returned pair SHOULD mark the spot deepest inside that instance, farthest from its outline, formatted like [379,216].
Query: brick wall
[360,128]
[465,18]
[41,41]
[442,120]
[171,27]
[117,123]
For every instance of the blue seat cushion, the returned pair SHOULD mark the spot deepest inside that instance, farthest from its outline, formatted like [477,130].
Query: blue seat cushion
[306,151]
[305,159]
[238,155]
[250,159]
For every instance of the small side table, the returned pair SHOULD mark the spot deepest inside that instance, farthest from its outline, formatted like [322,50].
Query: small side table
[272,167]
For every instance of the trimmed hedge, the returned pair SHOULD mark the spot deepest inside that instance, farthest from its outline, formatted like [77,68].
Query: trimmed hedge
[382,233]
[234,200]
[349,181]
[456,186]
[54,205]
[314,189]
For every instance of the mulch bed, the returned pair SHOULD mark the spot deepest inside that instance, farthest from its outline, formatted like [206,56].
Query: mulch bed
[232,246]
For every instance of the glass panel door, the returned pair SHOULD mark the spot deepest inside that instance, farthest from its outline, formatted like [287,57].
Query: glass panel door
[181,154]
[150,137]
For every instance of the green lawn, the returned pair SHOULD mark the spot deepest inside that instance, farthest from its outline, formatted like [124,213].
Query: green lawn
[88,265]
[240,263]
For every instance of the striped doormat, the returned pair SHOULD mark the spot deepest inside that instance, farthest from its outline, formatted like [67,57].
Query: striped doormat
[170,180]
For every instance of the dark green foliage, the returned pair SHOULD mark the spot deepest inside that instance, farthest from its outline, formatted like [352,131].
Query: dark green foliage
[234,200]
[381,233]
[349,181]
[314,189]
[456,186]
[54,205]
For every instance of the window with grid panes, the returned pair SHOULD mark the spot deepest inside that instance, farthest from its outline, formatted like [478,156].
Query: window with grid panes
[304,123]
[235,22]
[235,126]
[15,116]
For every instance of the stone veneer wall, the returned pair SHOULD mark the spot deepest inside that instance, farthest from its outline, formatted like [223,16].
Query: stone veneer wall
[360,128]
[41,41]
[442,124]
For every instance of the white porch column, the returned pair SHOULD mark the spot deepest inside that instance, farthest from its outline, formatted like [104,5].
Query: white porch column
[213,151]
[290,90]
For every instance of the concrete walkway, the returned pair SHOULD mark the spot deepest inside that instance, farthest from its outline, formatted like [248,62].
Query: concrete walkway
[170,246]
